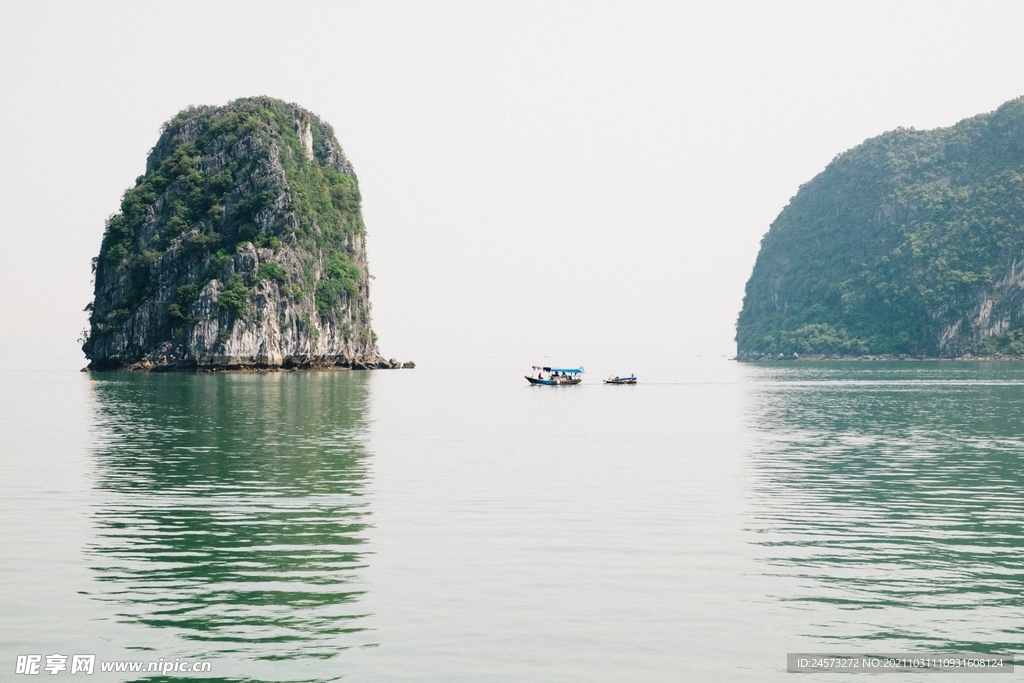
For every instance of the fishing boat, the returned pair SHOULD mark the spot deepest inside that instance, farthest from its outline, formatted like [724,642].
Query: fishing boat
[621,380]
[555,376]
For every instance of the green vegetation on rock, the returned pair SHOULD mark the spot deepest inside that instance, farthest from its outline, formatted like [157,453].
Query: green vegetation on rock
[910,243]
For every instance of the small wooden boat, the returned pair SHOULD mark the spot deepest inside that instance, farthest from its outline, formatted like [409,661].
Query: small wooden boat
[555,376]
[621,380]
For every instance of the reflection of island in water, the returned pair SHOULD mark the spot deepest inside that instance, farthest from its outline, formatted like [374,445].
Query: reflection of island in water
[889,501]
[233,510]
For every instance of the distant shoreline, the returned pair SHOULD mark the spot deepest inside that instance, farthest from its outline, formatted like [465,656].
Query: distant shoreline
[239,365]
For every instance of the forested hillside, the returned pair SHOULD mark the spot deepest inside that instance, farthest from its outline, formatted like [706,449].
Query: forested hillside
[910,243]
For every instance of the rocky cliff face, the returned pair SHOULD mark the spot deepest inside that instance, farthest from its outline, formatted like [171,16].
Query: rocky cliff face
[241,247]
[910,243]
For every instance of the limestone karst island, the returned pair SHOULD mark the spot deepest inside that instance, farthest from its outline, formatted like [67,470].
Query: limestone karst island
[909,245]
[241,247]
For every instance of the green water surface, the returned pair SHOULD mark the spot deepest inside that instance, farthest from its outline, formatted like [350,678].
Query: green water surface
[412,525]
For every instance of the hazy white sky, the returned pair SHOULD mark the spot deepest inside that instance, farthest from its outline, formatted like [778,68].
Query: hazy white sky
[537,177]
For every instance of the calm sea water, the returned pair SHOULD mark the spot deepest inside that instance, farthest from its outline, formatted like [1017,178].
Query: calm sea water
[440,525]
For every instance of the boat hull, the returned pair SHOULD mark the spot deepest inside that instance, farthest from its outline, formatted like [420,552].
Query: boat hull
[620,380]
[552,382]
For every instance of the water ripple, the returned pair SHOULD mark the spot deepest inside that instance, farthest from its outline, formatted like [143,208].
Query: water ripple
[232,511]
[892,505]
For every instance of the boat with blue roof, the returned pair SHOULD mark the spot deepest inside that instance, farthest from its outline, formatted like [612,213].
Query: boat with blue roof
[555,376]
